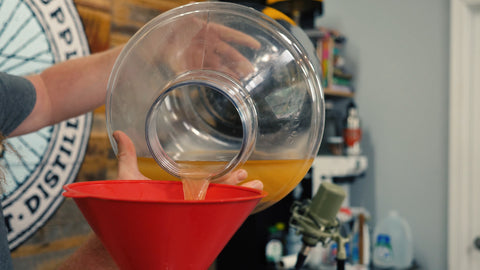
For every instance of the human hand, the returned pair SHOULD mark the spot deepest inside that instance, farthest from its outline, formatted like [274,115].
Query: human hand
[127,158]
[194,44]
[235,177]
[128,166]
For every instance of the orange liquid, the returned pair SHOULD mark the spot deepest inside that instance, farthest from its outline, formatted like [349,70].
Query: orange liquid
[279,177]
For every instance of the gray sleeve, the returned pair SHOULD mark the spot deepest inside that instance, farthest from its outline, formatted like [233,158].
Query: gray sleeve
[5,259]
[17,99]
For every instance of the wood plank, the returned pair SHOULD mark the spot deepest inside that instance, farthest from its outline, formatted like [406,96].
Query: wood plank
[138,12]
[57,245]
[97,27]
[99,5]
[118,38]
[335,93]
[130,15]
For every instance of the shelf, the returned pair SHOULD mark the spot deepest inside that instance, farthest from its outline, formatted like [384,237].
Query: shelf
[335,93]
[314,33]
[326,166]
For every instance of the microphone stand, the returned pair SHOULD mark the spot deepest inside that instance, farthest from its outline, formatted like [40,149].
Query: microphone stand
[316,221]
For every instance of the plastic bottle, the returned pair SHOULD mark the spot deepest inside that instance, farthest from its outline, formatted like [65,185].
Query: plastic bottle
[383,252]
[393,243]
[352,133]
[274,247]
[329,255]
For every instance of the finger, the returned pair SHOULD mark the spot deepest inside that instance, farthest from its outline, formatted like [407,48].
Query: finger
[256,184]
[231,35]
[215,62]
[127,158]
[233,58]
[233,178]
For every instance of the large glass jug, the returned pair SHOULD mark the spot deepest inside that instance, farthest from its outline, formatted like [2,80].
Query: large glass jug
[211,87]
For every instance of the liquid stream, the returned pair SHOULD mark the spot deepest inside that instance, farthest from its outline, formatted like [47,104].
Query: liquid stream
[195,189]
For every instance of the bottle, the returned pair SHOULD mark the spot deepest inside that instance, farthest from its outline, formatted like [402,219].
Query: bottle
[274,247]
[329,256]
[393,243]
[352,133]
[383,252]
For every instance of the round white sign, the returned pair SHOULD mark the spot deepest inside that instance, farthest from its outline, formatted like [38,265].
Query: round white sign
[35,34]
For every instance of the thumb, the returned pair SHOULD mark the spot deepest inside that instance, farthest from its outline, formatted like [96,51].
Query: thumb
[127,158]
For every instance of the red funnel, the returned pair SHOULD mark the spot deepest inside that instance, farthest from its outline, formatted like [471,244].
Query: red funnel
[148,224]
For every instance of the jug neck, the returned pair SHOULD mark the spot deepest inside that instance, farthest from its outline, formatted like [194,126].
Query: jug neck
[229,88]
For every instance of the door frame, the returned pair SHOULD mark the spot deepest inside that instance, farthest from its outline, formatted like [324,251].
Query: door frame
[464,135]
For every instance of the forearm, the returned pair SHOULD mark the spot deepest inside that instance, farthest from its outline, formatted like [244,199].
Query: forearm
[69,89]
[79,85]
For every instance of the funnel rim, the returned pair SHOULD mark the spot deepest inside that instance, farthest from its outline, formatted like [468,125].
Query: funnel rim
[72,192]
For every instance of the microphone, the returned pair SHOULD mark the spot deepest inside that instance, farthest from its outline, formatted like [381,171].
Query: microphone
[316,221]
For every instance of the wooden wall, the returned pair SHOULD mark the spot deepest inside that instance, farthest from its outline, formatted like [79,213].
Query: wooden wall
[107,23]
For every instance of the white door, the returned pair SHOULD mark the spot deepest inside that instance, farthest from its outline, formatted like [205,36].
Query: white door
[464,137]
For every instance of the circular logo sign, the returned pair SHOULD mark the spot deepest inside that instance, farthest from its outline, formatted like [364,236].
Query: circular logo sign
[35,34]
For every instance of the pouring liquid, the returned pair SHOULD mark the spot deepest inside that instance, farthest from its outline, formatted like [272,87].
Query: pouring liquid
[279,177]
[195,183]
[195,189]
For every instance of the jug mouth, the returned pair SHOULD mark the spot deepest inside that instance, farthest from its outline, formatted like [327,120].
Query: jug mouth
[230,89]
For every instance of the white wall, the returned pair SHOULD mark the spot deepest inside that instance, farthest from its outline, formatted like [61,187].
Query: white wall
[398,51]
